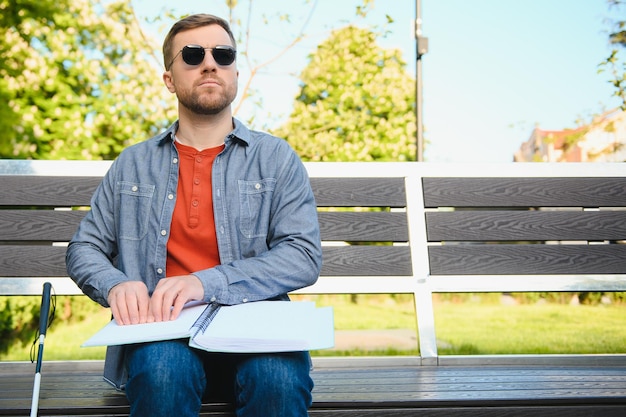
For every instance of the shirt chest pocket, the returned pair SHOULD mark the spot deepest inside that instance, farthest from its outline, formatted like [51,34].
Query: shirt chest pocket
[255,200]
[135,205]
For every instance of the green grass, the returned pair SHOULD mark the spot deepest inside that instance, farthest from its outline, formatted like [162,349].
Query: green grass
[63,340]
[481,325]
[530,329]
[469,327]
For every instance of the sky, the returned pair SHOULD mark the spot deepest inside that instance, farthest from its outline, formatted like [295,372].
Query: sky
[494,70]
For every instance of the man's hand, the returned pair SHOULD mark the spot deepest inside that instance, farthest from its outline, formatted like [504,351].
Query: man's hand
[130,303]
[171,294]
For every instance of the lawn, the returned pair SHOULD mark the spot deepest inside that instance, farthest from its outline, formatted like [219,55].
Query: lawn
[530,329]
[468,327]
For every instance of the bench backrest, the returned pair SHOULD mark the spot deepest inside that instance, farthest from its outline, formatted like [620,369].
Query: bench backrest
[41,203]
[547,227]
[392,228]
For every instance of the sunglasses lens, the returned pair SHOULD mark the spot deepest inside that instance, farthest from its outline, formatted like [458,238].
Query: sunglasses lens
[223,55]
[193,54]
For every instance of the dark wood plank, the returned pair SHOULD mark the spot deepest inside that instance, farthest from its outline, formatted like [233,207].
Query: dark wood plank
[359,192]
[526,259]
[39,225]
[524,192]
[32,261]
[366,260]
[353,260]
[500,410]
[525,225]
[364,226]
[26,190]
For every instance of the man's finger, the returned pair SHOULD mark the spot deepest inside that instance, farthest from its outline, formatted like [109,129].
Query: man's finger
[132,307]
[178,307]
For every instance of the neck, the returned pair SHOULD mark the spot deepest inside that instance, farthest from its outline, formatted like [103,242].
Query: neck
[203,132]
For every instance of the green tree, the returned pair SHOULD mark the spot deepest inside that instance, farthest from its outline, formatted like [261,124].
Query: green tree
[19,320]
[12,14]
[292,29]
[356,102]
[615,62]
[79,81]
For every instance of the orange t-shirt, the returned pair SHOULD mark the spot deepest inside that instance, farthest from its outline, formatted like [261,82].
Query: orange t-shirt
[192,245]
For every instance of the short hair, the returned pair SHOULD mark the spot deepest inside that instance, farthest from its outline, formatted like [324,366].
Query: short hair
[191,22]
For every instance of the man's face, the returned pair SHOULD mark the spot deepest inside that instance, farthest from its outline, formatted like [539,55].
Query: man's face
[207,88]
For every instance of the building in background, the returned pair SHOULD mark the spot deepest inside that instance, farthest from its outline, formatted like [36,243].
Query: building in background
[602,140]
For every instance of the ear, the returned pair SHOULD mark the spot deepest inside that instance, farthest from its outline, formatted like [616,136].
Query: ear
[169,81]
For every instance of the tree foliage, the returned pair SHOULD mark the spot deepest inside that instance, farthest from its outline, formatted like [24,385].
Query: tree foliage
[356,102]
[78,80]
[615,62]
[19,317]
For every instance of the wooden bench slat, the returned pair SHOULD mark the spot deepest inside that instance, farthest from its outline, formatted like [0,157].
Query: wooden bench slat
[524,192]
[54,191]
[363,226]
[359,192]
[475,410]
[526,259]
[365,260]
[26,190]
[525,225]
[39,225]
[60,226]
[33,260]
[354,260]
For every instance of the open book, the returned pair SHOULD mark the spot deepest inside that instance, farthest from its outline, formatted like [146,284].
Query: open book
[262,326]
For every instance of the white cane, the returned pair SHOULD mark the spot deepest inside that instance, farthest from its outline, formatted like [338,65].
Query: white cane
[43,326]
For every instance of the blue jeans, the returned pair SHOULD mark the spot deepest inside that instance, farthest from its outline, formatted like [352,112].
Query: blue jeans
[170,378]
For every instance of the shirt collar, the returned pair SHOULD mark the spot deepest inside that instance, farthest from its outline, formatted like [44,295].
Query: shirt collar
[240,132]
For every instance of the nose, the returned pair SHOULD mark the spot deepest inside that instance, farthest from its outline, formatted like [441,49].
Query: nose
[208,63]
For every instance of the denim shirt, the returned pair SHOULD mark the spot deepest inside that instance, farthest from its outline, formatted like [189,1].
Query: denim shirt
[265,219]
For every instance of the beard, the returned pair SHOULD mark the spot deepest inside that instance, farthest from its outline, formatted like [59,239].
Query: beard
[205,102]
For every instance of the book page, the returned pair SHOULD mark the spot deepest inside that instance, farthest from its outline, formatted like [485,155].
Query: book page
[268,326]
[114,334]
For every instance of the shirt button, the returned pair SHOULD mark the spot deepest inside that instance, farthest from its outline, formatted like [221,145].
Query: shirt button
[245,300]
[195,203]
[175,160]
[196,181]
[163,232]
[159,271]
[135,188]
[257,186]
[213,299]
[170,197]
[199,159]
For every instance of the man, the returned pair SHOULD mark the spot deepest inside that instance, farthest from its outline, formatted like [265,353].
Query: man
[207,210]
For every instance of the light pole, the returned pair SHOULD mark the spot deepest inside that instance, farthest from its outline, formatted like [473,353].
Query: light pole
[421,49]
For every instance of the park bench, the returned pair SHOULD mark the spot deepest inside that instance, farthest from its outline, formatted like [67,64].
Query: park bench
[440,228]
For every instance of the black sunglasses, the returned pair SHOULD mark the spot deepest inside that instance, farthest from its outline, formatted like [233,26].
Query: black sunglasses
[194,54]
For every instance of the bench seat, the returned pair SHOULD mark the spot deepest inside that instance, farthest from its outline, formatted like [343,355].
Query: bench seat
[363,387]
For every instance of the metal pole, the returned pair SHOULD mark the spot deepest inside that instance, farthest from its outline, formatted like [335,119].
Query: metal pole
[421,49]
